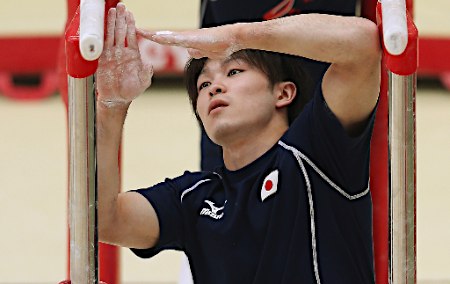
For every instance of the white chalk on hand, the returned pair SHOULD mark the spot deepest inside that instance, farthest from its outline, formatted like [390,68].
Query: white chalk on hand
[92,16]
[395,30]
[163,33]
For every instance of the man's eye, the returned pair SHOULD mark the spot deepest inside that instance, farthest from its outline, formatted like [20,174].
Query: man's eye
[204,85]
[234,72]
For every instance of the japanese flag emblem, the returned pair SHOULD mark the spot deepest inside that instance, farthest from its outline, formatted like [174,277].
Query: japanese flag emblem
[270,185]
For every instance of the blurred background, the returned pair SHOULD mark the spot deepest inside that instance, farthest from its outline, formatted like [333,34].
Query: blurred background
[161,139]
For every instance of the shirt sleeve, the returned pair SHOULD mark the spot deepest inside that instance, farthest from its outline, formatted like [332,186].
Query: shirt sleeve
[174,212]
[164,199]
[343,158]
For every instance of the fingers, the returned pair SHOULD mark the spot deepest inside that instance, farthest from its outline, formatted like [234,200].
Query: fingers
[195,53]
[171,38]
[121,25]
[195,39]
[110,26]
[131,31]
[168,38]
[198,42]
[145,34]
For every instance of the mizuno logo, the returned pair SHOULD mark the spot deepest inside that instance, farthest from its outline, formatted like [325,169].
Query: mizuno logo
[213,210]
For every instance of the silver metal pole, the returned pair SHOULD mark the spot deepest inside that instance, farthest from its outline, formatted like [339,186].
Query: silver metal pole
[402,148]
[82,182]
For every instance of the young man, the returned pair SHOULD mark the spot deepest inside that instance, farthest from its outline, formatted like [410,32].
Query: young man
[291,203]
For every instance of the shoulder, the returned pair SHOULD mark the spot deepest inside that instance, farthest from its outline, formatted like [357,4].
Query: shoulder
[190,182]
[188,178]
[176,188]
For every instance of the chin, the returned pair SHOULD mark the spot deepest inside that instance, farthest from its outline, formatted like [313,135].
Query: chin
[220,134]
[217,138]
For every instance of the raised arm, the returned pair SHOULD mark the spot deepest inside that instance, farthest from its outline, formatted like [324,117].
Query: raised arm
[350,44]
[125,219]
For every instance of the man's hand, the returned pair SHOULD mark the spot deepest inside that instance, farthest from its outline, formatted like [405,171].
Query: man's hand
[215,43]
[121,74]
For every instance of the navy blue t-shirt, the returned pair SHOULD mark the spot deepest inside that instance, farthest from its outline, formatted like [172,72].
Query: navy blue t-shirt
[300,213]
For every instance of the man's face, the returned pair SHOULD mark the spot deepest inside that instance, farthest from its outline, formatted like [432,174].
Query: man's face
[235,100]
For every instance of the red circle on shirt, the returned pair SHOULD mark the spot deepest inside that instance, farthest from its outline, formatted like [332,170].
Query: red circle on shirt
[268,186]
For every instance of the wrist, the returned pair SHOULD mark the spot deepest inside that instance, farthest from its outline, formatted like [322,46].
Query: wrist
[113,105]
[249,35]
[242,30]
[110,119]
[111,112]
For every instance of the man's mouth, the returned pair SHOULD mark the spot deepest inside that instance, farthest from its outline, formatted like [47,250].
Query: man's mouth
[216,104]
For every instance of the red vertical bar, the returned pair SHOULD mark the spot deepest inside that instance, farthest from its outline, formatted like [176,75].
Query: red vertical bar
[109,256]
[379,182]
[379,179]
[410,8]
[368,9]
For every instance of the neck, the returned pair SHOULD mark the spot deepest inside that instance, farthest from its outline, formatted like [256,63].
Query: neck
[251,147]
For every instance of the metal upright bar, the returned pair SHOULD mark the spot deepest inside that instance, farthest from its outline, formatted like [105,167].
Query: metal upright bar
[82,153]
[400,38]
[402,178]
[82,182]
[81,38]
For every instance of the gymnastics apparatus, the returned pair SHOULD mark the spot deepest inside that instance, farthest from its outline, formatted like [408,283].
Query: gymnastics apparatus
[393,163]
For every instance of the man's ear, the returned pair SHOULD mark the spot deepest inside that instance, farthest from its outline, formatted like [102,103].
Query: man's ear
[285,93]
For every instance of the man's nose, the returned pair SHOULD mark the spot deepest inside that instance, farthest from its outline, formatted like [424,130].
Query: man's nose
[216,89]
